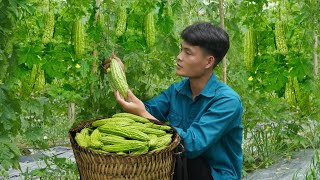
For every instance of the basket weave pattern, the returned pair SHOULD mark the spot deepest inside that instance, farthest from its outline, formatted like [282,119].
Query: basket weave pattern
[151,166]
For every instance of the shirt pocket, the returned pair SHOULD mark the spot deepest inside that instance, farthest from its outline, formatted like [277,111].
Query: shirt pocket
[174,119]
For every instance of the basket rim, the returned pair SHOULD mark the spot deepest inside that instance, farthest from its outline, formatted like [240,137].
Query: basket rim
[172,146]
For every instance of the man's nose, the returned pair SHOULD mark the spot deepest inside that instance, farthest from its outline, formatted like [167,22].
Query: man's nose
[179,57]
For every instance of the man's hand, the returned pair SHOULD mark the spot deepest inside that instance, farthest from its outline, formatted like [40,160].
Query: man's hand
[133,105]
[107,61]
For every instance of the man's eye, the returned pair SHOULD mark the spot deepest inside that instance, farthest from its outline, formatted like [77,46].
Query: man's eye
[188,52]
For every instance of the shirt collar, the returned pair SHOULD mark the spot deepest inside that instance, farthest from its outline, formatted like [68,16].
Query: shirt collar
[207,91]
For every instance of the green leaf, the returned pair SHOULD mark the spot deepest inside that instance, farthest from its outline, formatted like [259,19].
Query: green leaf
[30,55]
[165,25]
[39,172]
[55,68]
[84,69]
[9,153]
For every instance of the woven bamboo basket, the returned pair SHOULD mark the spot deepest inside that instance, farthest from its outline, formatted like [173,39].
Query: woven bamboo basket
[92,165]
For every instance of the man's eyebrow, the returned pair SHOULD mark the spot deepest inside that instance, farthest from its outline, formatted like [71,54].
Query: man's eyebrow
[187,48]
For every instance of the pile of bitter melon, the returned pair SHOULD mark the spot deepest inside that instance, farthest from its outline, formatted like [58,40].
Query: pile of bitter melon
[125,133]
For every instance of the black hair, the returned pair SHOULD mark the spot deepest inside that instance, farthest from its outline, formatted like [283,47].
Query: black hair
[212,39]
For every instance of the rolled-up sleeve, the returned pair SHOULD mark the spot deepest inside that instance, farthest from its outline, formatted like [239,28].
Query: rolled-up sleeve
[212,125]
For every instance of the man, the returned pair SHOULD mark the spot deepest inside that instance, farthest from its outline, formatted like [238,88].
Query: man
[205,112]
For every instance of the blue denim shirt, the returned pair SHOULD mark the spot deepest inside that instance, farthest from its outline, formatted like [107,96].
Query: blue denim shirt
[210,125]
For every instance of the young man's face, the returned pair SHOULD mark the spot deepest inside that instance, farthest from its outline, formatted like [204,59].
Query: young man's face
[192,62]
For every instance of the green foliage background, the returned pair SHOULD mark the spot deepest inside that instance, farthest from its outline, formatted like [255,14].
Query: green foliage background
[39,118]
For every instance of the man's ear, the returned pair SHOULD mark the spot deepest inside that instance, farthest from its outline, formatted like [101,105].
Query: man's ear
[211,61]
